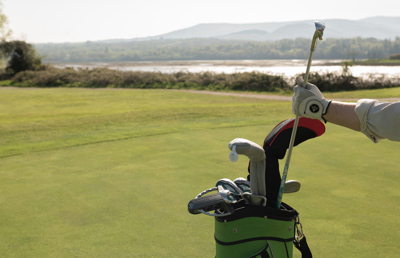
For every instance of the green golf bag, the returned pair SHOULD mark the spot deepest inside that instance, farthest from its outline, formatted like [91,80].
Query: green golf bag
[259,231]
[246,227]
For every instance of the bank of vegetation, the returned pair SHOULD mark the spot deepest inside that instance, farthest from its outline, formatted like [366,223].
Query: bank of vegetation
[24,68]
[216,49]
[248,81]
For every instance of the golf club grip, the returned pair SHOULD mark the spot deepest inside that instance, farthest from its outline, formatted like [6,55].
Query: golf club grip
[206,203]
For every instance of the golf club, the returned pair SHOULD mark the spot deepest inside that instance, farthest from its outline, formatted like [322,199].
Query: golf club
[227,184]
[243,184]
[257,162]
[319,31]
[254,199]
[221,200]
[291,186]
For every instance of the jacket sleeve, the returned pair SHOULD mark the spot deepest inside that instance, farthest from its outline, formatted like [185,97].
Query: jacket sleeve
[379,120]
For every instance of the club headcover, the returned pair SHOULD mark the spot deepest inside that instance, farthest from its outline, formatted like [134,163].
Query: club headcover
[277,142]
[257,163]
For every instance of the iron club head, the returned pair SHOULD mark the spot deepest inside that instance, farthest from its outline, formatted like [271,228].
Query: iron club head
[320,26]
[319,32]
[292,186]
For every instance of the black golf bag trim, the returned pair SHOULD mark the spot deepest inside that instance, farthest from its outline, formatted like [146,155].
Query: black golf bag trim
[264,252]
[254,239]
[243,210]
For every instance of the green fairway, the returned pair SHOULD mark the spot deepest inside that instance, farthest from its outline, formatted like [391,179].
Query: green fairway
[109,173]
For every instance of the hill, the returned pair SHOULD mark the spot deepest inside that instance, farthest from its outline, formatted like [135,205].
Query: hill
[374,27]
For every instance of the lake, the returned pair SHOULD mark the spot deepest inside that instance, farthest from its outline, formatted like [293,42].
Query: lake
[288,68]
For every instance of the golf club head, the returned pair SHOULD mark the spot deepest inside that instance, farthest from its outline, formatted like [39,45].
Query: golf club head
[243,184]
[227,184]
[319,32]
[320,27]
[292,186]
[227,195]
[255,199]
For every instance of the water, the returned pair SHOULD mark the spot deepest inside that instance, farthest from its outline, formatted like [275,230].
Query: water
[288,68]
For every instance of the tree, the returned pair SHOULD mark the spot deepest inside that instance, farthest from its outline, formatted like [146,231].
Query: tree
[5,34]
[354,51]
[21,56]
[18,55]
[5,31]
[394,57]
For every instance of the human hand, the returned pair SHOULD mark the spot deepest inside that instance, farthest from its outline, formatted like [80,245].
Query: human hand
[308,101]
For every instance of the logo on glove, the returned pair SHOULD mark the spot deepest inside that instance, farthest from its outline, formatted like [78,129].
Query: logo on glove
[314,108]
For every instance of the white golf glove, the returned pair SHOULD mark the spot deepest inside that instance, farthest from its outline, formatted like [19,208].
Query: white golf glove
[308,101]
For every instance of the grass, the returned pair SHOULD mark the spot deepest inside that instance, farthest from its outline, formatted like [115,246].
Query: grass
[373,94]
[377,62]
[41,119]
[109,173]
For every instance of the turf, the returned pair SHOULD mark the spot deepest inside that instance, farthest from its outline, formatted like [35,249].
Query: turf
[109,173]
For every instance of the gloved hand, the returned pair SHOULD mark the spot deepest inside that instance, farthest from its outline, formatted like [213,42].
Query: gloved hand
[308,101]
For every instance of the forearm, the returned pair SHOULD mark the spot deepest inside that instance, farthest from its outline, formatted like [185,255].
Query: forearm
[343,114]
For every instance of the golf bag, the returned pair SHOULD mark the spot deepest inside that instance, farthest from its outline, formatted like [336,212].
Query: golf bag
[259,231]
[264,231]
[245,228]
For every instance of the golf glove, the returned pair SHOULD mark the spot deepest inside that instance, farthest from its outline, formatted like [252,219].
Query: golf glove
[308,101]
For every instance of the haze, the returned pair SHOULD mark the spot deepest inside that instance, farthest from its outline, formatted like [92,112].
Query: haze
[45,21]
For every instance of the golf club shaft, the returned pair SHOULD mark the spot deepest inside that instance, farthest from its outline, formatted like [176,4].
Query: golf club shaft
[293,137]
[308,67]
[289,155]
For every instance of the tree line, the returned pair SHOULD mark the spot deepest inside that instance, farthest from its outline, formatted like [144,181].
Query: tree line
[215,49]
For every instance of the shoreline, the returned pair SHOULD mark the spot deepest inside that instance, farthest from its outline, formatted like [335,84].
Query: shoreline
[210,63]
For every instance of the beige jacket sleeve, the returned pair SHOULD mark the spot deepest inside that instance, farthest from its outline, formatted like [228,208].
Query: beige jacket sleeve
[379,120]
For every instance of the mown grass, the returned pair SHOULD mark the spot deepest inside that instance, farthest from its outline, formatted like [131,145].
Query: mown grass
[109,173]
[373,94]
[41,119]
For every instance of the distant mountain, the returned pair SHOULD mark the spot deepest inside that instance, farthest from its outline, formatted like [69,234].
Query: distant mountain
[258,35]
[374,27]
[391,22]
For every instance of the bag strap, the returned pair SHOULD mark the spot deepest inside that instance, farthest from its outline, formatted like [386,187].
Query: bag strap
[300,241]
[302,246]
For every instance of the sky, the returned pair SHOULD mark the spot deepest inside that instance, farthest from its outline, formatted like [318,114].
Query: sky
[45,21]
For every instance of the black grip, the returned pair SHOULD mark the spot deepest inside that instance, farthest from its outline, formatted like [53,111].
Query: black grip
[206,203]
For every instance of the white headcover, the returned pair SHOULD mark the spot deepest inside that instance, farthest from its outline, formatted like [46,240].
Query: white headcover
[256,155]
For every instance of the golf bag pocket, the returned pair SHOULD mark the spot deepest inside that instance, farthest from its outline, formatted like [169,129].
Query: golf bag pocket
[256,231]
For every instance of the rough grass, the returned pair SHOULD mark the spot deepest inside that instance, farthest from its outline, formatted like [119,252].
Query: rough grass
[77,188]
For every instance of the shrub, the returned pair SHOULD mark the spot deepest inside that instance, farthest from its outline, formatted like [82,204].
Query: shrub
[248,81]
[394,57]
